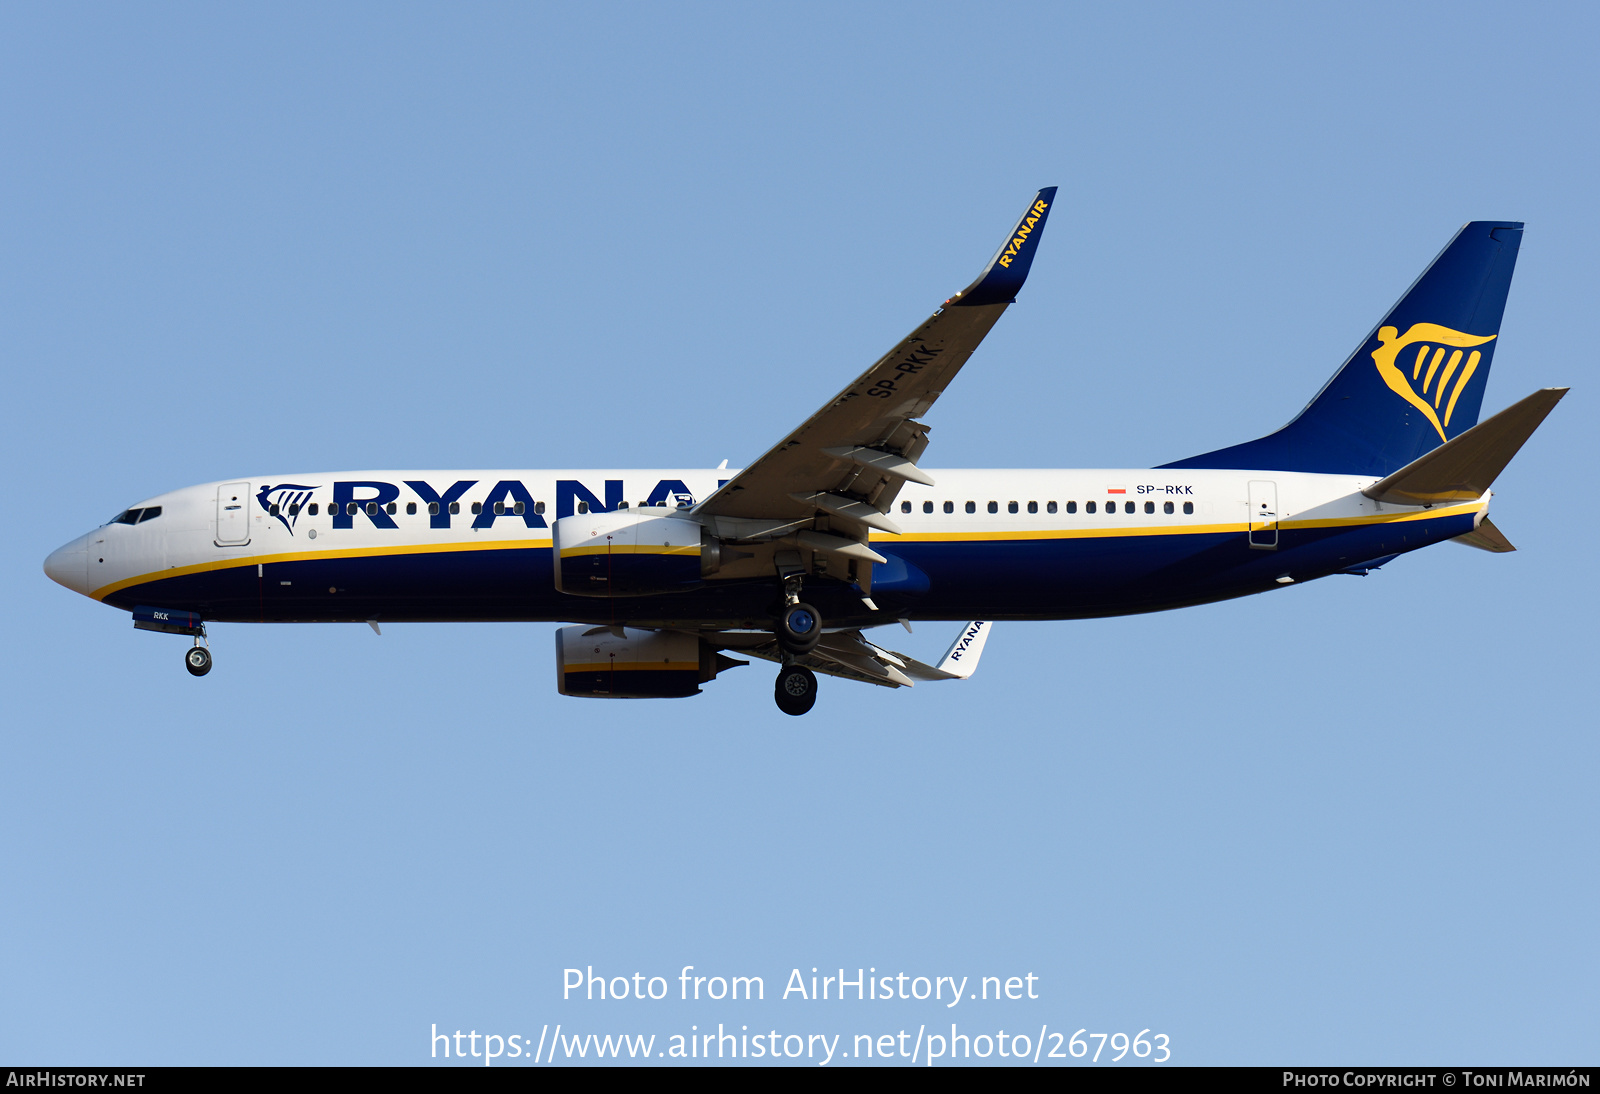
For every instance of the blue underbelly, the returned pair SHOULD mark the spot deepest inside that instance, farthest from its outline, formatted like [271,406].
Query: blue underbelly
[1069,577]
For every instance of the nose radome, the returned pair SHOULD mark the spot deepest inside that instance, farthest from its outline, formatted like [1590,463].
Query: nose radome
[69,565]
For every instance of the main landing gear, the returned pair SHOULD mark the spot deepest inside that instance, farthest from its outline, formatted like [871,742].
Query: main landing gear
[796,690]
[799,631]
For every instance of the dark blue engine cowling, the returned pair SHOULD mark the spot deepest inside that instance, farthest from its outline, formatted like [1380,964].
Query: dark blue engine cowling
[633,663]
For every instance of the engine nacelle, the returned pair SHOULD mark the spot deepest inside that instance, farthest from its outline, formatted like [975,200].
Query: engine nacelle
[641,664]
[629,553]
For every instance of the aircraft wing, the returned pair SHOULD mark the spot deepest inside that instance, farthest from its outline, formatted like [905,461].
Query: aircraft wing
[848,654]
[849,459]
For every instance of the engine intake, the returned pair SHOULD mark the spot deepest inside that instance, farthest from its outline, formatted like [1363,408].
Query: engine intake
[597,663]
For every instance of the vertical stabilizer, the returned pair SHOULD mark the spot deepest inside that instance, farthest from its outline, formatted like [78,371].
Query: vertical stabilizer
[1414,383]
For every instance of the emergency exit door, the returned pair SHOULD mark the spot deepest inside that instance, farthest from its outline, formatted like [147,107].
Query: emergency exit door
[1264,516]
[233,514]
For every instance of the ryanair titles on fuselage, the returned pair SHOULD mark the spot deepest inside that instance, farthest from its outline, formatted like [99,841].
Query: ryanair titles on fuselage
[376,501]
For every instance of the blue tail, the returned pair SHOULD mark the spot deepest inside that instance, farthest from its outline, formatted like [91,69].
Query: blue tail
[1415,382]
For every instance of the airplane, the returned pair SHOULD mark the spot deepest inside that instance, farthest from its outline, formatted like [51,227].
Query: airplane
[665,576]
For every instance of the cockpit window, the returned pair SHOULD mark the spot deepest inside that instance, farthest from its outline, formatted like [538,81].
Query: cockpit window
[136,516]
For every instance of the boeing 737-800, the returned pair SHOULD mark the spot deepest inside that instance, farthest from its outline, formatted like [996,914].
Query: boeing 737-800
[839,528]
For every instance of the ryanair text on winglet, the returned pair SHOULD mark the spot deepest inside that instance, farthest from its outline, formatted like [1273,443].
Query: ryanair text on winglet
[1023,232]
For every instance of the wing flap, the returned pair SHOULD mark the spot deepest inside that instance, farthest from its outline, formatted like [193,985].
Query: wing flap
[850,656]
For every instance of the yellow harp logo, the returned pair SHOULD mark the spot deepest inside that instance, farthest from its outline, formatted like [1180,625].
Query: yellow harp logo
[1430,340]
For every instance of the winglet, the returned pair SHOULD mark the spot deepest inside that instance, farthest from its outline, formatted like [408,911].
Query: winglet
[962,659]
[1008,269]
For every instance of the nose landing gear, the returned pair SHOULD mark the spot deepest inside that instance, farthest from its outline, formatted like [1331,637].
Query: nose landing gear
[197,660]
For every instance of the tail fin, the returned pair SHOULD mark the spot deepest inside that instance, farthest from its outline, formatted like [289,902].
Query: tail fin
[1416,382]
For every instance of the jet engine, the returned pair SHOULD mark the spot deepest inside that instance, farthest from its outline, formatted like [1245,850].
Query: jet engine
[629,663]
[631,553]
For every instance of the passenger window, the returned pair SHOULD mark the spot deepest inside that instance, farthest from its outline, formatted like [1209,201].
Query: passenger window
[1188,508]
[1033,507]
[1166,507]
[477,507]
[583,507]
[1128,507]
[1149,507]
[520,508]
[994,507]
[1072,506]
[1050,507]
[372,508]
[433,508]
[350,509]
[1088,506]
[972,507]
[294,510]
[272,510]
[1011,507]
[949,507]
[499,508]
[538,507]
[905,507]
[620,504]
[927,507]
[411,508]
[455,507]
[390,508]
[313,509]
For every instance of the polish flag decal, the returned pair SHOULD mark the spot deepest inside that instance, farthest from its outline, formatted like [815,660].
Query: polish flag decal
[1116,489]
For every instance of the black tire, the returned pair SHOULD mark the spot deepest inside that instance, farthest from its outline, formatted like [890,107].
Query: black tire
[796,689]
[197,661]
[799,628]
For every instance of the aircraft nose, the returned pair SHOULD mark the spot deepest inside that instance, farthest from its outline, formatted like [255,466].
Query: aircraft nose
[69,565]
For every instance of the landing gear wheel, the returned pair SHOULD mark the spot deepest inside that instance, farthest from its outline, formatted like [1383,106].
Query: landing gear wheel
[197,661]
[796,690]
[799,628]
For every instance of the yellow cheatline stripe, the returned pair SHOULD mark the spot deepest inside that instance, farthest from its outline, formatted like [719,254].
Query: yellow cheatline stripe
[574,552]
[1116,532]
[1473,506]
[606,666]
[1112,532]
[241,561]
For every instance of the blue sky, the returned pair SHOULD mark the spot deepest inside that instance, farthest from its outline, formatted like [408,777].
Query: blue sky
[1351,821]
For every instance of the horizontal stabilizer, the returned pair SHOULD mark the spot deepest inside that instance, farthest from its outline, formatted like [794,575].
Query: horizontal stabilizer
[1486,537]
[1464,467]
